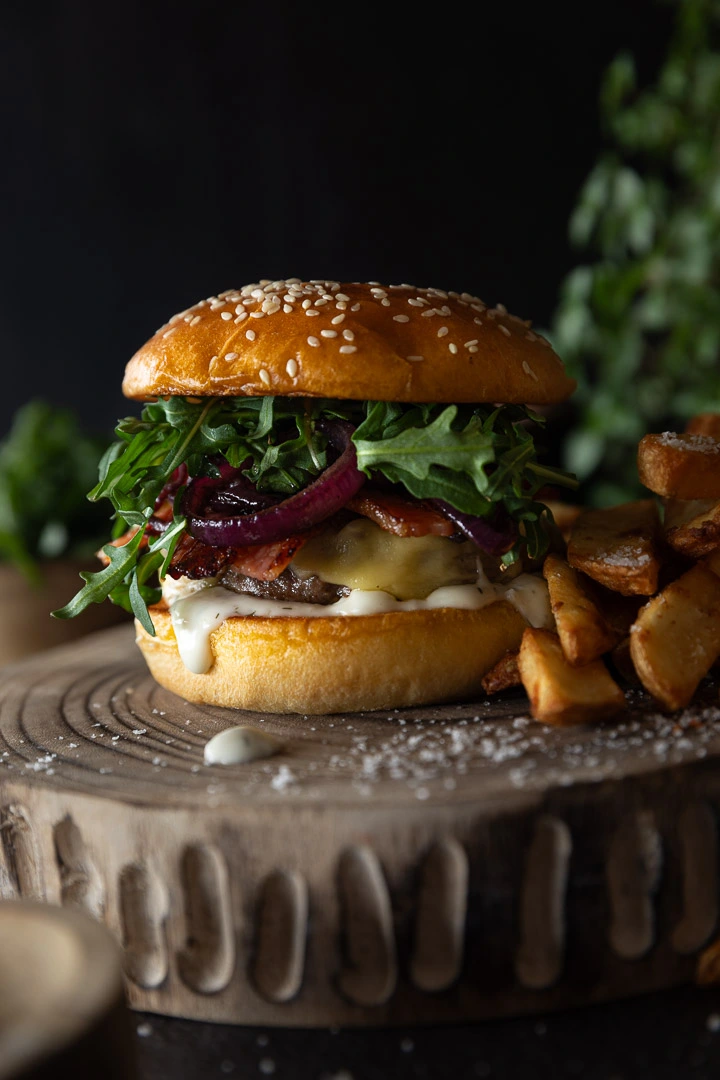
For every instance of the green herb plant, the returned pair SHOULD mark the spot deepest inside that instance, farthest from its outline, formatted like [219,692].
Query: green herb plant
[479,459]
[47,464]
[638,323]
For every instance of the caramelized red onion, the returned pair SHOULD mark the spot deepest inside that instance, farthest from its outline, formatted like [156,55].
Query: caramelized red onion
[493,537]
[203,503]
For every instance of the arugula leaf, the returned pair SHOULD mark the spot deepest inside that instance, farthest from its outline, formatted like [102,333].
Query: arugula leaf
[416,450]
[479,459]
[99,585]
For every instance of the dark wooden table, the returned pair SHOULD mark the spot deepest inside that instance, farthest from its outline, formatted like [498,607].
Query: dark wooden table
[669,1036]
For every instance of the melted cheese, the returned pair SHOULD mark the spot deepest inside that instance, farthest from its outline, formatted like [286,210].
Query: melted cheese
[363,556]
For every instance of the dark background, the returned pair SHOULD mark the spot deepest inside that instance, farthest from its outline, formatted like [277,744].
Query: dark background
[154,154]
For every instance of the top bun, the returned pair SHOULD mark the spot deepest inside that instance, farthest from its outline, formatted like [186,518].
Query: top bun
[358,341]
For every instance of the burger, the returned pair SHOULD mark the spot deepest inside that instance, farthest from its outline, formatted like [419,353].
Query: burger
[332,498]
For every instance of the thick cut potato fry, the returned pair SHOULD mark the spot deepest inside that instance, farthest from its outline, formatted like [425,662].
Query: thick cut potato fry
[618,547]
[564,515]
[706,423]
[560,693]
[504,675]
[683,466]
[676,638]
[692,527]
[712,561]
[584,634]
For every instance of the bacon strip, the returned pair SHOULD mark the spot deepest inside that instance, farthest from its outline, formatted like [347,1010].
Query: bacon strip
[404,517]
[265,562]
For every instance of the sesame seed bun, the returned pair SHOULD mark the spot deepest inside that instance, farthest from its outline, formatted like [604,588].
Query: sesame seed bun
[338,664]
[357,341]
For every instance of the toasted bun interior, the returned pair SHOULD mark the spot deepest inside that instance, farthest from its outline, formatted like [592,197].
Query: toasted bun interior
[338,664]
[357,341]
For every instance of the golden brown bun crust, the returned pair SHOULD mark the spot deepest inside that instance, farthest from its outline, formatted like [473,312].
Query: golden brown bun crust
[339,663]
[353,341]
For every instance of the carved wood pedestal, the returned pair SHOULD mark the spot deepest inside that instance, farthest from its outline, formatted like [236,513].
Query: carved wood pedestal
[430,865]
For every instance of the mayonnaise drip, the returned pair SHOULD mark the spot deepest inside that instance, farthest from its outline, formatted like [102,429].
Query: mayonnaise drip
[196,615]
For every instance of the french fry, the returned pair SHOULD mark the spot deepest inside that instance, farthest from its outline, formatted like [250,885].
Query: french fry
[676,638]
[683,466]
[504,675]
[583,631]
[619,547]
[712,561]
[692,527]
[560,693]
[564,515]
[707,423]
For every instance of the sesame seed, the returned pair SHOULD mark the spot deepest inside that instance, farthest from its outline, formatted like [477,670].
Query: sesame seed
[170,331]
[414,358]
[226,315]
[321,301]
[291,367]
[491,314]
[473,349]
[443,331]
[328,333]
[452,347]
[349,335]
[501,308]
[504,329]
[231,356]
[416,302]
[468,344]
[216,305]
[313,341]
[287,308]
[385,302]
[312,311]
[530,336]
[428,312]
[348,348]
[337,320]
[264,376]
[240,318]
[257,314]
[355,307]
[401,318]
[306,304]
[342,296]
[213,358]
[250,335]
[528,370]
[477,321]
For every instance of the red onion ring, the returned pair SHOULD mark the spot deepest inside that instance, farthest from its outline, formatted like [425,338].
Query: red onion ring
[316,502]
[492,538]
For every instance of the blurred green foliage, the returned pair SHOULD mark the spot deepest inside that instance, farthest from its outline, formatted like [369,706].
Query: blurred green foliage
[638,323]
[47,466]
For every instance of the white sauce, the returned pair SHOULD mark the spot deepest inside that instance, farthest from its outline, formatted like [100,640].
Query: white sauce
[195,616]
[239,745]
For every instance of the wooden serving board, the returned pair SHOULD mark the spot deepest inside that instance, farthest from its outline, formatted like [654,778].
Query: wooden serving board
[427,865]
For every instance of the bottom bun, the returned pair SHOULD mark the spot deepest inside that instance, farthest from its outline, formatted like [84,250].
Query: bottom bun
[338,663]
